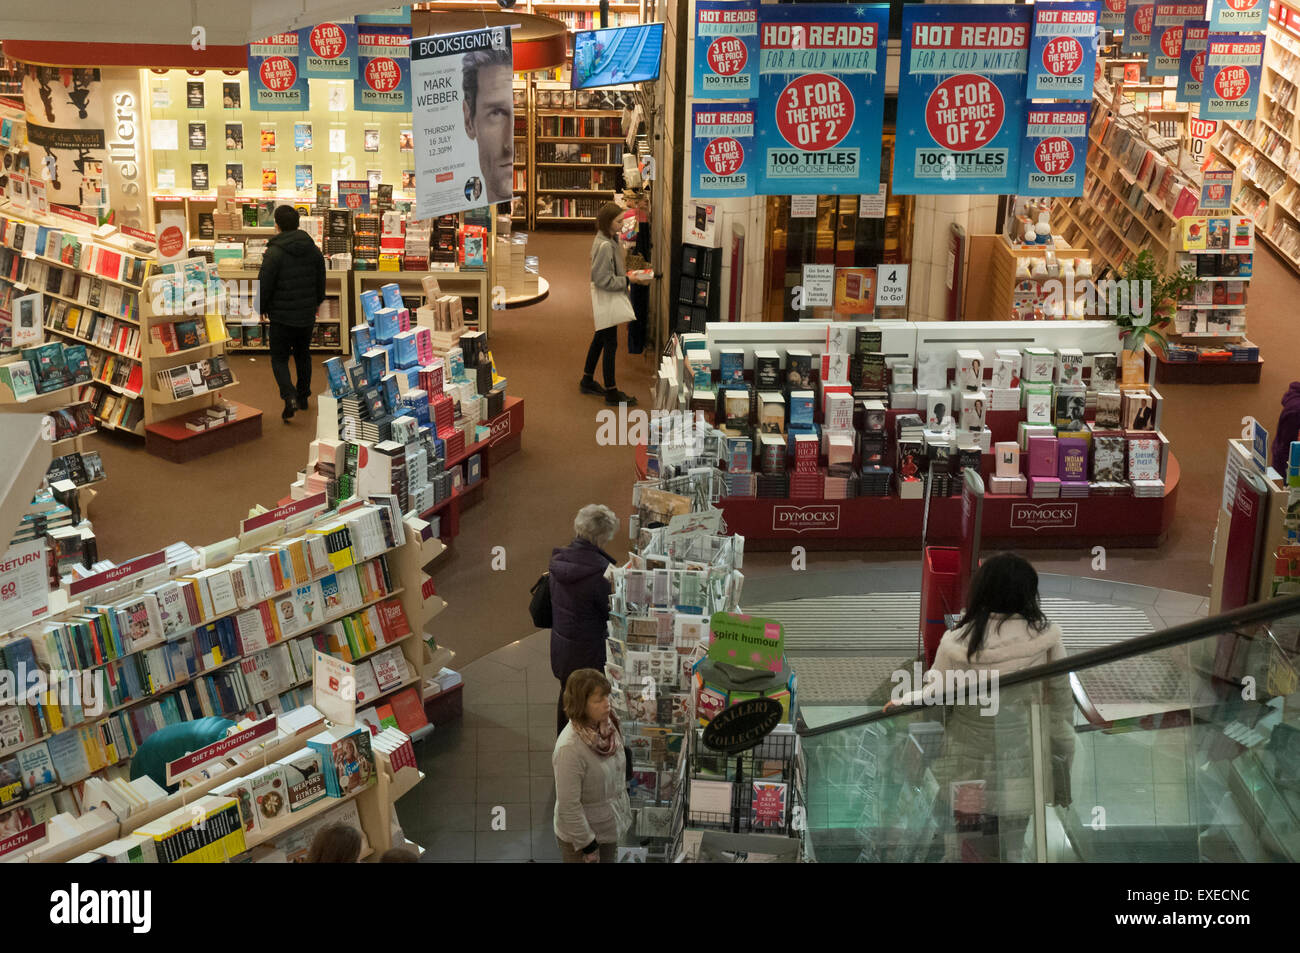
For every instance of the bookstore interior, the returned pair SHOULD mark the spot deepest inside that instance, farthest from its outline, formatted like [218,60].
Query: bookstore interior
[1014,326]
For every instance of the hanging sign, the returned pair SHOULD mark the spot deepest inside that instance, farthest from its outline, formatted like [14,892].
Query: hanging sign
[1062,55]
[329,50]
[1216,189]
[722,148]
[399,14]
[1191,61]
[383,82]
[1167,35]
[276,81]
[822,96]
[1052,159]
[748,641]
[743,725]
[726,49]
[961,99]
[1112,14]
[1139,18]
[1238,16]
[1233,62]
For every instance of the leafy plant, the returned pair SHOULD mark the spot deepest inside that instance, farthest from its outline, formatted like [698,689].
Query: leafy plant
[1159,292]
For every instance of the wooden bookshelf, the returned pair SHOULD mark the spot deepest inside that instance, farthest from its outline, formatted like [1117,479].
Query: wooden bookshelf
[336,290]
[455,281]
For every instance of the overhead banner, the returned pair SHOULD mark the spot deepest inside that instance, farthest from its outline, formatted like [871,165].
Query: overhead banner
[276,81]
[383,82]
[399,14]
[961,99]
[1238,16]
[1191,61]
[1112,14]
[722,149]
[1052,159]
[822,97]
[1168,33]
[1216,190]
[329,50]
[1139,18]
[1062,55]
[726,49]
[1233,63]
[464,120]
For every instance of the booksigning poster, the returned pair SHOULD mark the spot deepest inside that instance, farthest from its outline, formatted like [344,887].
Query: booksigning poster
[276,81]
[1233,62]
[1167,34]
[1191,61]
[722,149]
[383,82]
[726,49]
[961,99]
[1139,18]
[821,97]
[329,50]
[1055,149]
[1238,16]
[1062,56]
[1216,190]
[462,85]
[1112,14]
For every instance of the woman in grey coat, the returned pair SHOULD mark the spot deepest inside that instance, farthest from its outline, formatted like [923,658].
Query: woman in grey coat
[591,805]
[608,273]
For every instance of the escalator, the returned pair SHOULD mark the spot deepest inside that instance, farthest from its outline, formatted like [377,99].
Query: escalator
[628,53]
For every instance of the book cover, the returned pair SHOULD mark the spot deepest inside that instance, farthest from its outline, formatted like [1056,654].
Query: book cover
[302,137]
[268,138]
[768,805]
[198,135]
[194,94]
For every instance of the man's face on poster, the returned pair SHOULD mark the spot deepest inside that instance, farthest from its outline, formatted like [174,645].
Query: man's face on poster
[492,126]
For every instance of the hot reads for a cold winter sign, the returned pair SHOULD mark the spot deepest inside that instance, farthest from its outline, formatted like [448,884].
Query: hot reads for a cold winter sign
[1238,16]
[1167,35]
[1230,89]
[383,82]
[1139,19]
[1112,14]
[276,81]
[961,99]
[1056,143]
[726,49]
[822,95]
[1062,56]
[722,149]
[329,50]
[1191,61]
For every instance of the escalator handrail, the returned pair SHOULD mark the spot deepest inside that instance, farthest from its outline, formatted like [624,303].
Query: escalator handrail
[1248,615]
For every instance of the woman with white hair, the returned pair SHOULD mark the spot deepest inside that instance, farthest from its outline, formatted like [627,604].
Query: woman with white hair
[580,598]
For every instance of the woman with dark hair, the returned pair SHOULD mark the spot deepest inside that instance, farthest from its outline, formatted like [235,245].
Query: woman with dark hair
[591,804]
[335,844]
[608,274]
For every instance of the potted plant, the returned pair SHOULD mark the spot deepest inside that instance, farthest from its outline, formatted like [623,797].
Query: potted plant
[1159,294]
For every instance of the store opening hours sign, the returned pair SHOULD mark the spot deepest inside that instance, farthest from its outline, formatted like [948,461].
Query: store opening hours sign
[722,148]
[1062,56]
[1233,63]
[1054,152]
[275,79]
[1191,62]
[726,49]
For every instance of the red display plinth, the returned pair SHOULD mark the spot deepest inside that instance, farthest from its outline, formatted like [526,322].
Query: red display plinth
[172,440]
[507,430]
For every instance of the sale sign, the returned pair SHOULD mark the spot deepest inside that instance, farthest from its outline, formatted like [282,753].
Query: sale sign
[961,99]
[1139,19]
[726,49]
[1112,14]
[275,77]
[383,82]
[1052,159]
[821,71]
[1238,16]
[1216,190]
[1062,56]
[1233,62]
[1191,61]
[722,149]
[1168,34]
[329,50]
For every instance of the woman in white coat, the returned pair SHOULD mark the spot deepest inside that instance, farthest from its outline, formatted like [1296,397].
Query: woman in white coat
[610,305]
[591,804]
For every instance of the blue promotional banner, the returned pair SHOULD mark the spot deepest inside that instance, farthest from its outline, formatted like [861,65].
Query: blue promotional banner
[276,81]
[383,82]
[329,50]
[722,149]
[1191,61]
[390,15]
[1238,16]
[1167,35]
[1138,21]
[1112,14]
[1053,157]
[1216,190]
[726,49]
[821,97]
[1233,63]
[961,99]
[1062,56]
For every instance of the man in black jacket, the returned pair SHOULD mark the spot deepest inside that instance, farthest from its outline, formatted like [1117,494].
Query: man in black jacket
[291,286]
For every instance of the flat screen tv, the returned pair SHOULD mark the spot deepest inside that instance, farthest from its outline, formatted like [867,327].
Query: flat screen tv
[626,54]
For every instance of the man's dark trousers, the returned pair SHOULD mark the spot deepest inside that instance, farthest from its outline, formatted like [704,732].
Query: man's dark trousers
[289,341]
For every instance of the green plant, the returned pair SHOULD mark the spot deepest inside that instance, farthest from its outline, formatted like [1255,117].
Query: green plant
[1157,293]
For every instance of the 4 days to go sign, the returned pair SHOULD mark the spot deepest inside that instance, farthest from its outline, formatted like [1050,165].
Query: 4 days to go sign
[891,286]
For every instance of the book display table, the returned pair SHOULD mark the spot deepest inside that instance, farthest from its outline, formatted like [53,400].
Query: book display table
[505,438]
[171,440]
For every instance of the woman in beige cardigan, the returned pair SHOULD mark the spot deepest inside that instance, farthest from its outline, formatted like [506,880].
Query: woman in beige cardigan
[591,804]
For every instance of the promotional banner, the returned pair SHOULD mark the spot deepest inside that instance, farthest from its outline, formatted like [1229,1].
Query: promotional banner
[1167,35]
[329,50]
[1062,56]
[1191,61]
[1052,159]
[399,14]
[722,149]
[822,97]
[383,82]
[726,49]
[1233,63]
[1216,190]
[1238,16]
[276,81]
[1138,21]
[961,99]
[1112,14]
[464,120]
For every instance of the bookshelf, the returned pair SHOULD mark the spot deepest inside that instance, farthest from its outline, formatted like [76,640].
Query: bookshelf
[247,332]
[576,150]
[456,281]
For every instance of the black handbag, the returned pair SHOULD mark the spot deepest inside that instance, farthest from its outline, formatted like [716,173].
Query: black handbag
[539,606]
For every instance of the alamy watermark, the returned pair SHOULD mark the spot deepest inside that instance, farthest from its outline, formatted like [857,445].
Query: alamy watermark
[630,427]
[1105,298]
[975,687]
[229,297]
[68,688]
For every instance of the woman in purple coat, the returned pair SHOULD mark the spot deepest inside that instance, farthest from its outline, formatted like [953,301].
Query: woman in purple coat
[580,598]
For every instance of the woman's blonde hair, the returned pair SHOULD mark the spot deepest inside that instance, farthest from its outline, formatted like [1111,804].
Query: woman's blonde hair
[596,524]
[578,690]
[606,216]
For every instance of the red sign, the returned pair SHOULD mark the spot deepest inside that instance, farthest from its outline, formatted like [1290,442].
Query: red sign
[1143,18]
[278,73]
[383,74]
[318,501]
[118,573]
[1197,67]
[1038,516]
[1202,128]
[27,837]
[1054,156]
[1231,82]
[800,519]
[136,233]
[74,214]
[500,430]
[815,112]
[727,56]
[171,242]
[964,112]
[328,40]
[724,156]
[1171,41]
[1115,6]
[1062,55]
[220,749]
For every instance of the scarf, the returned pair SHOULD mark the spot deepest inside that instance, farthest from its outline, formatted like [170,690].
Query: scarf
[604,740]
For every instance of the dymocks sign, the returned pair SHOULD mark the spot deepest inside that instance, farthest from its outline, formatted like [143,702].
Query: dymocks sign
[1045,515]
[799,519]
